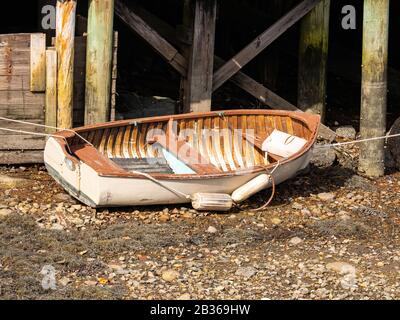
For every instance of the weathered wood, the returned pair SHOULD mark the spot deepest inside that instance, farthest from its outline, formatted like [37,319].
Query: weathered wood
[313,55]
[200,72]
[188,16]
[139,26]
[99,55]
[21,97]
[65,34]
[38,62]
[114,76]
[374,86]
[21,157]
[21,142]
[14,83]
[261,42]
[51,90]
[240,79]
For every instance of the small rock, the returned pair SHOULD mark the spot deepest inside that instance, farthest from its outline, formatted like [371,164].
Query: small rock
[164,217]
[295,240]
[323,157]
[347,132]
[62,197]
[11,183]
[297,206]
[380,264]
[64,281]
[170,275]
[90,283]
[326,196]
[341,267]
[185,296]
[276,221]
[57,227]
[212,229]
[5,212]
[246,272]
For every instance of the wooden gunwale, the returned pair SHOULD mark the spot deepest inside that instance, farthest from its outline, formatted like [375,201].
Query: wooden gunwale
[311,122]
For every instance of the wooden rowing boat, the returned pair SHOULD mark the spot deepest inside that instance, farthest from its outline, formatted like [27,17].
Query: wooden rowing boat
[159,160]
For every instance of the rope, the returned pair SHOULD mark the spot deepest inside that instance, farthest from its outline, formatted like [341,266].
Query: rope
[338,144]
[266,204]
[45,126]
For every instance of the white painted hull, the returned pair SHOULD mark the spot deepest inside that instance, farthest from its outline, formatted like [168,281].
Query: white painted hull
[85,184]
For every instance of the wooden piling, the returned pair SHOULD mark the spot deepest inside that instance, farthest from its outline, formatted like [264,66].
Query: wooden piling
[374,86]
[65,35]
[99,61]
[313,55]
[200,74]
[51,90]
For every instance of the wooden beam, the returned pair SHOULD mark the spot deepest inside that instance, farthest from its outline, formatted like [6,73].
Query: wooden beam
[99,54]
[51,90]
[242,80]
[374,86]
[261,42]
[65,35]
[313,56]
[201,62]
[165,49]
[38,62]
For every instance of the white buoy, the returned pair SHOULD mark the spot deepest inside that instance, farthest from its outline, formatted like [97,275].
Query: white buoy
[250,188]
[212,202]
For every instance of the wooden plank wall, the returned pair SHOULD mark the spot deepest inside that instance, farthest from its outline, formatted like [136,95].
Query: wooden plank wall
[18,102]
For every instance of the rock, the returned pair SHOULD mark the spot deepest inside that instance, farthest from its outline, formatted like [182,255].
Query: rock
[295,241]
[90,283]
[57,227]
[64,281]
[170,275]
[347,132]
[185,296]
[323,157]
[63,197]
[297,206]
[212,229]
[246,272]
[5,212]
[326,196]
[276,221]
[7,182]
[341,267]
[164,217]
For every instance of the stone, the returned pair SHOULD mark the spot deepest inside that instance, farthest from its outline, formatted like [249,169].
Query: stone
[185,296]
[7,182]
[393,144]
[164,217]
[326,196]
[296,241]
[276,221]
[64,281]
[246,272]
[57,227]
[297,206]
[62,197]
[341,267]
[323,157]
[347,132]
[212,229]
[170,275]
[5,212]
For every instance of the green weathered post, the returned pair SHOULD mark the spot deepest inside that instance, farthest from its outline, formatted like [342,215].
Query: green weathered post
[374,86]
[313,54]
[99,61]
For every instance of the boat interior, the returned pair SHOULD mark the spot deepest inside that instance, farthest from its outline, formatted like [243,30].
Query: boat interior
[203,144]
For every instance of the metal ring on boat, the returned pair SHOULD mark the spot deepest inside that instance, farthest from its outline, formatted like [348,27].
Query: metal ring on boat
[69,164]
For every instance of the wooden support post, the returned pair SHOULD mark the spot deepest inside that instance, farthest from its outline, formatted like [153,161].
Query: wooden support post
[65,35]
[99,61]
[187,27]
[201,63]
[313,55]
[38,62]
[51,90]
[374,86]
[261,42]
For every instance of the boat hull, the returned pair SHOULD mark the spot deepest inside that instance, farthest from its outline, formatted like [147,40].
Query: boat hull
[96,190]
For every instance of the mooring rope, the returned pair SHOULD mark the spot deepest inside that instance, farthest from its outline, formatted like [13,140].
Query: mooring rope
[338,144]
[45,126]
